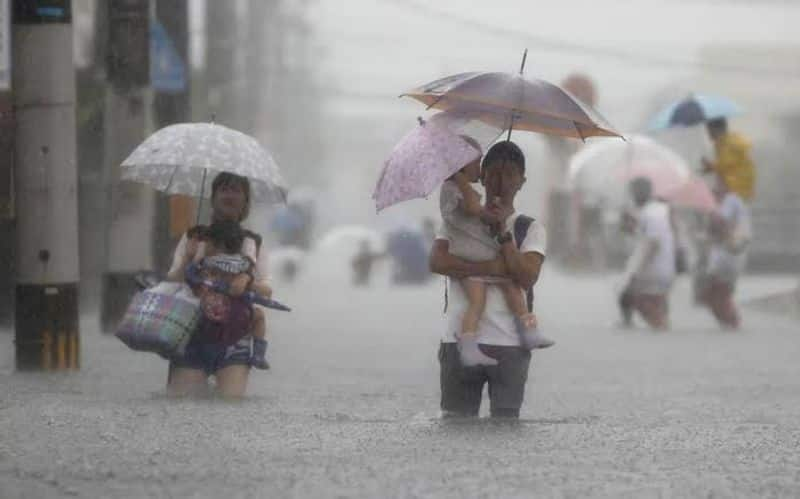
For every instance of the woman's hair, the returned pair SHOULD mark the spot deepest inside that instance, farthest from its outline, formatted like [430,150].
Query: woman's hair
[227,235]
[504,152]
[228,178]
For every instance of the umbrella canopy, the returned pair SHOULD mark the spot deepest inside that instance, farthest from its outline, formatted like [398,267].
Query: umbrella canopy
[694,193]
[693,110]
[509,100]
[603,169]
[183,159]
[420,162]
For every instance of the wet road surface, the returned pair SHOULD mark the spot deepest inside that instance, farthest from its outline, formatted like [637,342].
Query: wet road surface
[350,409]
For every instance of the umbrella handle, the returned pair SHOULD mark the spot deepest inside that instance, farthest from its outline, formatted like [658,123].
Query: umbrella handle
[524,58]
[202,194]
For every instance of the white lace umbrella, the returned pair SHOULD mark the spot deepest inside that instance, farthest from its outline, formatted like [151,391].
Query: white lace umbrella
[602,170]
[184,158]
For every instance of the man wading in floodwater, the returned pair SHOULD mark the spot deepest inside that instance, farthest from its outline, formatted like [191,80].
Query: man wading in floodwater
[521,242]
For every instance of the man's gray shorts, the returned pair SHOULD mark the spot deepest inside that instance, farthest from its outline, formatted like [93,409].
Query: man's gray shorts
[462,387]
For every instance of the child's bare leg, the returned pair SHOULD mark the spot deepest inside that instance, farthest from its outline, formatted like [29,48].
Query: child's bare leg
[259,332]
[476,302]
[259,324]
[525,322]
[471,354]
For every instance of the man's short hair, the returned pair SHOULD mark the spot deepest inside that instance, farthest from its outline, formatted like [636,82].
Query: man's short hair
[719,124]
[504,152]
[641,188]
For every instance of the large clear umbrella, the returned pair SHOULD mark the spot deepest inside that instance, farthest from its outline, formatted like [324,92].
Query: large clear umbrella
[602,170]
[184,158]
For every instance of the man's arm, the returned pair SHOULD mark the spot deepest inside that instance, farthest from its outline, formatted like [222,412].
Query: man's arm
[523,268]
[442,262]
[643,252]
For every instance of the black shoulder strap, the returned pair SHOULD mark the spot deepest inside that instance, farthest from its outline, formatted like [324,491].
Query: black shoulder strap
[255,237]
[521,226]
[200,231]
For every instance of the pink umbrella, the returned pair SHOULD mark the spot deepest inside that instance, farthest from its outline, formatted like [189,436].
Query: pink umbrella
[421,162]
[603,169]
[694,193]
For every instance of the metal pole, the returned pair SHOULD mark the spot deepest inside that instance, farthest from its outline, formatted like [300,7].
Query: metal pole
[171,104]
[47,278]
[130,207]
[521,71]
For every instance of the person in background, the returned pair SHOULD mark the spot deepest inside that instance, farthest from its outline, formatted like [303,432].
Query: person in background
[733,163]
[730,234]
[362,263]
[650,269]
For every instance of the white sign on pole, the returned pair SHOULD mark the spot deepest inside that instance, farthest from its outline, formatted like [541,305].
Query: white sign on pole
[5,45]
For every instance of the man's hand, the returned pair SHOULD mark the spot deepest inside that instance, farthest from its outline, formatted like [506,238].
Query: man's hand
[499,212]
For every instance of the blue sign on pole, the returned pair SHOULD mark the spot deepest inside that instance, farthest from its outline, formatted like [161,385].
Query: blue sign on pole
[167,69]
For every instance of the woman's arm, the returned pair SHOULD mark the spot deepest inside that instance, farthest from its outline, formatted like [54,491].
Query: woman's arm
[183,256]
[260,279]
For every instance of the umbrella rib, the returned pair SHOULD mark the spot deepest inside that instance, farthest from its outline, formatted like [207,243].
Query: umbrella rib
[578,130]
[171,178]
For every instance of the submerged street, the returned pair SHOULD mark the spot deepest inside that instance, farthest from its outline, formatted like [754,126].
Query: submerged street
[350,408]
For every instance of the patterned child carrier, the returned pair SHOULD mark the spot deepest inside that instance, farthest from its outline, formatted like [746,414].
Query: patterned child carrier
[226,319]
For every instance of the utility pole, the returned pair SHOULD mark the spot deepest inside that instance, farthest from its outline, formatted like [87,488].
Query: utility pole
[170,76]
[7,231]
[46,326]
[130,210]
[224,63]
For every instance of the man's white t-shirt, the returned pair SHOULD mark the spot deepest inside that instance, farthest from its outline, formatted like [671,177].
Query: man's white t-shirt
[723,262]
[657,274]
[496,326]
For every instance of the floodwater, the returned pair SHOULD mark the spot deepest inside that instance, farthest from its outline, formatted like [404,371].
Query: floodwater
[350,408]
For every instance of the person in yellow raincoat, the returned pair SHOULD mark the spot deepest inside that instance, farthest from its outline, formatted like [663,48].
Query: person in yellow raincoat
[733,163]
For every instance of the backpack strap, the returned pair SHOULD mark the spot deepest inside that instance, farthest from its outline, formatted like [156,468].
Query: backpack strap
[255,237]
[521,226]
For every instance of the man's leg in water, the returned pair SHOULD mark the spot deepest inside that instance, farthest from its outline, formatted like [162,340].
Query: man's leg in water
[507,380]
[524,321]
[471,354]
[654,309]
[461,388]
[721,304]
[626,307]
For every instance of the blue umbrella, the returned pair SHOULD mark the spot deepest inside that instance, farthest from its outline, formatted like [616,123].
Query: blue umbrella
[694,110]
